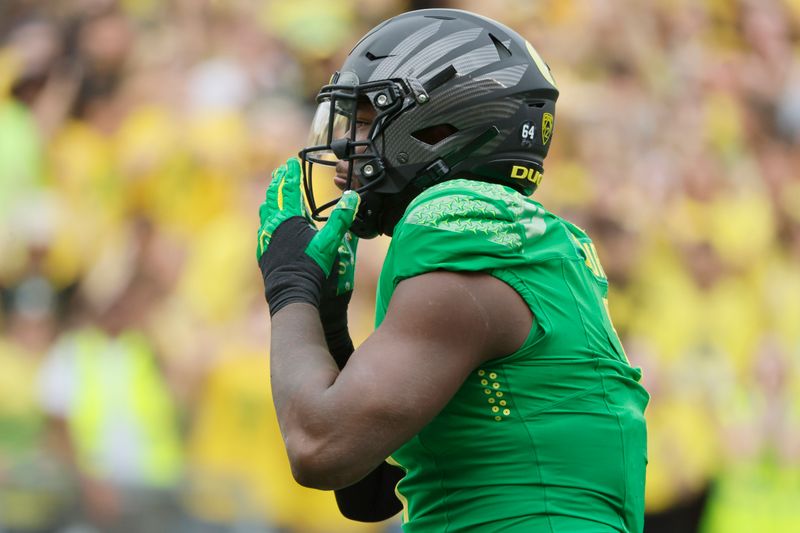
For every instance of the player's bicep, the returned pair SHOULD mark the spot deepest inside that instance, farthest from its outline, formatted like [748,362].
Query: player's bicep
[436,331]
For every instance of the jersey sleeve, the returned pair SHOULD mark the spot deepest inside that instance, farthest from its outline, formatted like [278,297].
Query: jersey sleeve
[458,230]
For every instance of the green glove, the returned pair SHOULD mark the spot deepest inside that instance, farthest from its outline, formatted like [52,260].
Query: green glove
[284,200]
[295,258]
[342,278]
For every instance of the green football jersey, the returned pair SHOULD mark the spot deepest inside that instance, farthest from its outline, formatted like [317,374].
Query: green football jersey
[551,437]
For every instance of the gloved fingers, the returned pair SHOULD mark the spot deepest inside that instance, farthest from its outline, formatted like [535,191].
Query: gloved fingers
[347,249]
[290,198]
[341,218]
[346,264]
[325,244]
[271,199]
[267,211]
[284,194]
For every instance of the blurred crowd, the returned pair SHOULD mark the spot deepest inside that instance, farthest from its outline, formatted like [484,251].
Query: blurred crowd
[136,139]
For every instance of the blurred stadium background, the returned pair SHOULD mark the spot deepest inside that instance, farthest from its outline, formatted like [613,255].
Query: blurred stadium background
[136,139]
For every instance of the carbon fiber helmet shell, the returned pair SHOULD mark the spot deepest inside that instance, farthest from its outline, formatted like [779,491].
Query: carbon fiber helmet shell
[467,98]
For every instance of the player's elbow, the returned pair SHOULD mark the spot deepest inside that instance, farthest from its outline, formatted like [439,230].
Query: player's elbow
[313,466]
[308,473]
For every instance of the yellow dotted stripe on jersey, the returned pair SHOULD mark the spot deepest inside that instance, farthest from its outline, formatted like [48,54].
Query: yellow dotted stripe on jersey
[499,407]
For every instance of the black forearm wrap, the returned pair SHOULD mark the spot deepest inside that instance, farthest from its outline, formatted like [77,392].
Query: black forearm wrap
[290,275]
[333,315]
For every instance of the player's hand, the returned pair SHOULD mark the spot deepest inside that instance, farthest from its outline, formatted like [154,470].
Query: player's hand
[295,258]
[283,201]
[341,280]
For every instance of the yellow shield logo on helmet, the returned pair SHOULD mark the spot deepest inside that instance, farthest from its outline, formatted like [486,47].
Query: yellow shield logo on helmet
[547,127]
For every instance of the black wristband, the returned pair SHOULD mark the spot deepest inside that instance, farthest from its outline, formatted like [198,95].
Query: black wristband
[290,275]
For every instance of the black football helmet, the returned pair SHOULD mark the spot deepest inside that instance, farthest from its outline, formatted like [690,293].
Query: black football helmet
[455,95]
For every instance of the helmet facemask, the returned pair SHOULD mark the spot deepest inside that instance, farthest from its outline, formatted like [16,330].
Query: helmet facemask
[335,136]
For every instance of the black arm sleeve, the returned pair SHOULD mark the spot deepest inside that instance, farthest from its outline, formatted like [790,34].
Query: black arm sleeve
[333,315]
[373,498]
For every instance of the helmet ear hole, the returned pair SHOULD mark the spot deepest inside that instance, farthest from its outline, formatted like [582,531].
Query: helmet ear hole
[435,134]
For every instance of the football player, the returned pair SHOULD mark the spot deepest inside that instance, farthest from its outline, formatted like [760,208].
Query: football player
[494,394]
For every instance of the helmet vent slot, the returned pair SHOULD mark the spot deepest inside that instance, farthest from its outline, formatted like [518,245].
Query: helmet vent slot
[435,134]
[502,50]
[373,57]
[536,104]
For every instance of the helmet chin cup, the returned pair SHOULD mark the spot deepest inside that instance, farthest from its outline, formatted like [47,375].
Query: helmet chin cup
[366,224]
